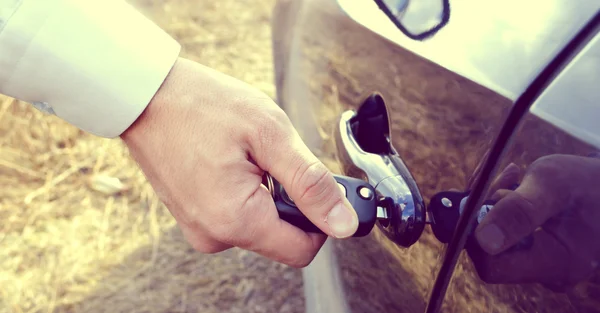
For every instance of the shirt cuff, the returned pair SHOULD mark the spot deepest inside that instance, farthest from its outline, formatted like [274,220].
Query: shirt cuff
[95,64]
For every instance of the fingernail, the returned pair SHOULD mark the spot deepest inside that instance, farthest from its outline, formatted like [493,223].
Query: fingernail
[342,221]
[491,238]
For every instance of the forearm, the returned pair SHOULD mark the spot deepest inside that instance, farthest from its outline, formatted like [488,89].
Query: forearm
[95,64]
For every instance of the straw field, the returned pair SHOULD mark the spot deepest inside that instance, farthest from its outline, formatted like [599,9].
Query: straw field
[82,230]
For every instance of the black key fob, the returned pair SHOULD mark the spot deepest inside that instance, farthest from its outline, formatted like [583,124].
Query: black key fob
[445,209]
[358,192]
[444,212]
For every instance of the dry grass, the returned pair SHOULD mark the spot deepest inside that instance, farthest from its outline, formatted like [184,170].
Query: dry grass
[82,230]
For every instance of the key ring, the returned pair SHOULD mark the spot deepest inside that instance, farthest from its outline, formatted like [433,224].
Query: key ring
[267,180]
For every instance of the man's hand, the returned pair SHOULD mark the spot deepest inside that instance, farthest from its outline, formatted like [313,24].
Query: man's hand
[204,142]
[558,202]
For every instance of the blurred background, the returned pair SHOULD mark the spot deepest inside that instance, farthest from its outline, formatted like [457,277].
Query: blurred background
[82,231]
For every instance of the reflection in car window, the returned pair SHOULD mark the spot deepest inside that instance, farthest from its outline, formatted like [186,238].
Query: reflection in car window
[536,249]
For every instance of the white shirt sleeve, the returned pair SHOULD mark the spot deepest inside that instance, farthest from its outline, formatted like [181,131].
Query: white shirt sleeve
[95,64]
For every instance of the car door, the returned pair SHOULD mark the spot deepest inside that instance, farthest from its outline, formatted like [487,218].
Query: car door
[550,217]
[447,99]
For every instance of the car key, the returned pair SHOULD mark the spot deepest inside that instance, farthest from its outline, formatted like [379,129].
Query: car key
[358,192]
[445,209]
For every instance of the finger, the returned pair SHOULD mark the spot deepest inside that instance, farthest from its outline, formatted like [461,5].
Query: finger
[545,261]
[518,214]
[202,242]
[274,238]
[499,194]
[308,181]
[507,178]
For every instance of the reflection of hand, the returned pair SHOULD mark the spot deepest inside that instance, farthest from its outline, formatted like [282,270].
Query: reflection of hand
[558,202]
[203,144]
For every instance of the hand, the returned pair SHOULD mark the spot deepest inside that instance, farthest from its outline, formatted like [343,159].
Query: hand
[559,204]
[204,143]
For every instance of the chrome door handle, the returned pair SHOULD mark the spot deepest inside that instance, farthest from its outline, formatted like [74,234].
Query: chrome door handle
[365,151]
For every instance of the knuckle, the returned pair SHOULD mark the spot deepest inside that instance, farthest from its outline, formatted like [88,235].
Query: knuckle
[225,229]
[240,227]
[553,176]
[312,181]
[252,224]
[299,264]
[489,274]
[245,234]
[270,127]
[298,260]
[546,166]
[278,116]
[228,233]
[205,247]
[199,240]
[518,220]
[486,268]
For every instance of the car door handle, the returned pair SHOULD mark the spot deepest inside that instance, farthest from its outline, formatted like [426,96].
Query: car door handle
[365,151]
[376,182]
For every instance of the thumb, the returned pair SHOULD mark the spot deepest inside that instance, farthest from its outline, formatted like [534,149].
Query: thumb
[519,213]
[310,184]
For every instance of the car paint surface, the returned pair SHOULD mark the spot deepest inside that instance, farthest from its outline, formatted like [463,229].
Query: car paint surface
[502,45]
[555,143]
[443,124]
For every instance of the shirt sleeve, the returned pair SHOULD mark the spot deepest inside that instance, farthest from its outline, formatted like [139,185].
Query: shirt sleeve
[94,64]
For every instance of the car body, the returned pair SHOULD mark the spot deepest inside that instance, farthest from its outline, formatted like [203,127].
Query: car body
[501,82]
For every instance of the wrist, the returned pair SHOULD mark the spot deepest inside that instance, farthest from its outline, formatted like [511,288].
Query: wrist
[149,119]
